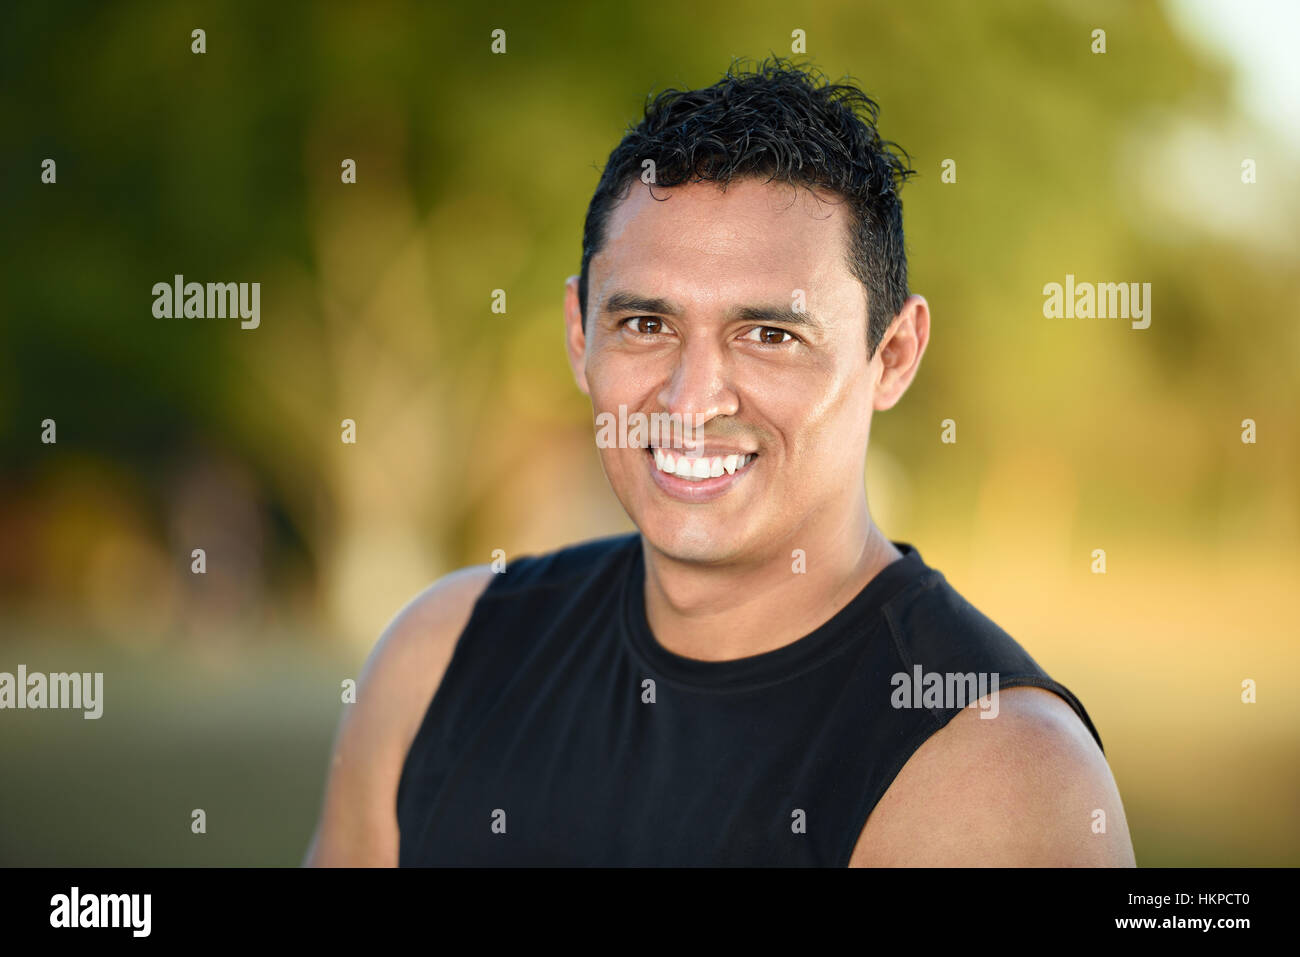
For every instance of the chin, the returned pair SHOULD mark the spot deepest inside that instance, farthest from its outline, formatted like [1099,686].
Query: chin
[698,542]
[710,532]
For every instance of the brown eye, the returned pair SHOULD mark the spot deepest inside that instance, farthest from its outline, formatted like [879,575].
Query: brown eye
[647,325]
[771,336]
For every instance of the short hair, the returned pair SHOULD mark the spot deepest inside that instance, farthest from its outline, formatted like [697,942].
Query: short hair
[784,122]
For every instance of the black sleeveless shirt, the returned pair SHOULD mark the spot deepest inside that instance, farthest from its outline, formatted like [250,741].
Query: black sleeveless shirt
[564,734]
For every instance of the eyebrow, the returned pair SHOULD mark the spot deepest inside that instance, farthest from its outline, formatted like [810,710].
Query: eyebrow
[654,305]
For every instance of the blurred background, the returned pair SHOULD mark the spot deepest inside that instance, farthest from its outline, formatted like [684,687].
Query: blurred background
[222,690]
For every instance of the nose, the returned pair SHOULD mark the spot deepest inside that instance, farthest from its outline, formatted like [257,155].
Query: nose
[700,387]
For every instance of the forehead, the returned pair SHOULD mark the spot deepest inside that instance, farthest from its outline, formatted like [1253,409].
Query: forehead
[699,243]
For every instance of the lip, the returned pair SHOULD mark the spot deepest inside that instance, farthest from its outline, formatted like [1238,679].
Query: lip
[695,493]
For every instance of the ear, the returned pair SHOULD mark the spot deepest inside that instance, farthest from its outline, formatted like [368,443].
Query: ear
[575,337]
[898,357]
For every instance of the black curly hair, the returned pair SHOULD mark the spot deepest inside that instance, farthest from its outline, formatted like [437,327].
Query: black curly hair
[786,123]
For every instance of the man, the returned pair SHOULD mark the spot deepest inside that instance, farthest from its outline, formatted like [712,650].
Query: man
[760,676]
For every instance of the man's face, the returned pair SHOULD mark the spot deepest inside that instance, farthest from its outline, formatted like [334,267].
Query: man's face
[736,310]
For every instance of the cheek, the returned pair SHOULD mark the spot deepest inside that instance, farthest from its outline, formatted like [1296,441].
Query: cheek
[614,377]
[823,413]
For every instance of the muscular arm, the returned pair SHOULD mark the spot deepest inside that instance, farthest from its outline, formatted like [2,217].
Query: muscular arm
[358,823]
[1018,790]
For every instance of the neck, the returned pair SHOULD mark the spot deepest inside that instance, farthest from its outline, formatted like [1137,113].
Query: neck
[720,612]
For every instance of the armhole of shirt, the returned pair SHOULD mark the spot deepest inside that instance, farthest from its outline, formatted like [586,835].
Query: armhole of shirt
[1060,690]
[940,719]
[422,729]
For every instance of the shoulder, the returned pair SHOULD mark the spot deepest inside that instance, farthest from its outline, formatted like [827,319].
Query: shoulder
[406,664]
[358,816]
[435,616]
[1029,787]
[358,824]
[426,630]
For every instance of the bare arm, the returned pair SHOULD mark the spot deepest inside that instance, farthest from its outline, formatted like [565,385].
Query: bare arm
[1020,790]
[358,823]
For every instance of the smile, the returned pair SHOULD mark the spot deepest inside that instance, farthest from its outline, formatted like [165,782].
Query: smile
[699,468]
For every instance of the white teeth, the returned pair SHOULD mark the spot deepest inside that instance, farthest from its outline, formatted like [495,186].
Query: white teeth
[695,469]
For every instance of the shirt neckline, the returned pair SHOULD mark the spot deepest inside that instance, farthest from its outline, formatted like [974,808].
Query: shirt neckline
[854,622]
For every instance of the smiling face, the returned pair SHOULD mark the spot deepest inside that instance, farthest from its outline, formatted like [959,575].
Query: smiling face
[736,310]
